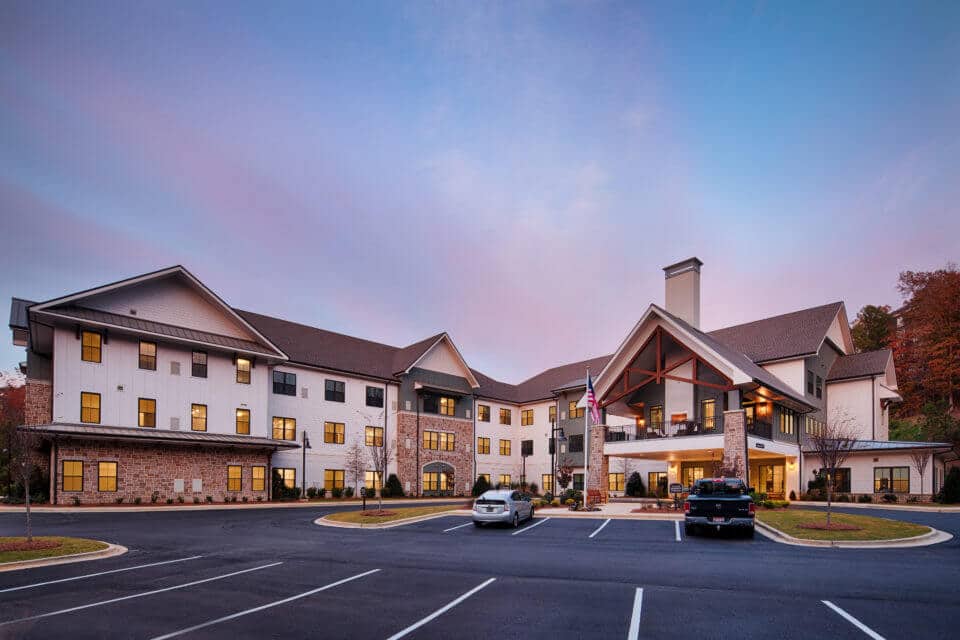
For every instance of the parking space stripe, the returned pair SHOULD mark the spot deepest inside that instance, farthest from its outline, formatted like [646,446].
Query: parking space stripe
[138,595]
[459,526]
[676,528]
[535,524]
[849,618]
[94,575]
[439,612]
[600,528]
[277,603]
[634,632]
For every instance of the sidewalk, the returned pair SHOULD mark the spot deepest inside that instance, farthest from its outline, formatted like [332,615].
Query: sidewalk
[220,506]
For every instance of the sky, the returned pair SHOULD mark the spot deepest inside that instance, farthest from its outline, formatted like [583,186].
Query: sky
[513,173]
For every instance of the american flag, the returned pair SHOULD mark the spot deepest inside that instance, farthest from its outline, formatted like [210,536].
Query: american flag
[592,401]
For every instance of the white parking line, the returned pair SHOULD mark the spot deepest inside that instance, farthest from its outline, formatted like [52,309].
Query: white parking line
[440,611]
[849,618]
[94,575]
[676,529]
[600,528]
[139,595]
[634,632]
[535,524]
[240,614]
[459,526]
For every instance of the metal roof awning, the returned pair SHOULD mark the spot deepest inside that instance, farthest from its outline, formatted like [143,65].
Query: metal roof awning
[156,436]
[426,386]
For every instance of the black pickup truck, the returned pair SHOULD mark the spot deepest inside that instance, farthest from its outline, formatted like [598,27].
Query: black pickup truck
[718,502]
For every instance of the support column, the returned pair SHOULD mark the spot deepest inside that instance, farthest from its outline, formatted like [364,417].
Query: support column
[735,460]
[599,465]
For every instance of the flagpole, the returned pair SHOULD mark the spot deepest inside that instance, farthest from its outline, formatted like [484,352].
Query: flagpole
[586,448]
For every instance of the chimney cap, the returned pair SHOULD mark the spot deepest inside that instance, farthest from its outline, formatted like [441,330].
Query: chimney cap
[677,268]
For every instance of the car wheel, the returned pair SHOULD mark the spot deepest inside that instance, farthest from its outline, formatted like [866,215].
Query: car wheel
[689,530]
[516,519]
[477,524]
[750,532]
[531,514]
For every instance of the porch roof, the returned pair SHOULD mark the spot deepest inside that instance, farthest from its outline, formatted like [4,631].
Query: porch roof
[140,434]
[892,445]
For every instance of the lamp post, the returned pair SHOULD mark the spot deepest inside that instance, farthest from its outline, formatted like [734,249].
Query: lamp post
[554,440]
[306,445]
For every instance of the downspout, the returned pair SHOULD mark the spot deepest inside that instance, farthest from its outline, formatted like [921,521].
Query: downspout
[873,407]
[474,445]
[417,444]
[386,460]
[53,471]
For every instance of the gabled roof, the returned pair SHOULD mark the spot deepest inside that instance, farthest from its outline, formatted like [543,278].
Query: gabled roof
[860,365]
[410,356]
[73,301]
[790,335]
[18,313]
[542,385]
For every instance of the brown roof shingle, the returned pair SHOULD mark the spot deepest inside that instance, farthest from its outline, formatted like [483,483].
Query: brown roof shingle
[858,365]
[794,334]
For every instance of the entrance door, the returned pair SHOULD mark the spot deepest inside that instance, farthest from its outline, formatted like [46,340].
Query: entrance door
[770,479]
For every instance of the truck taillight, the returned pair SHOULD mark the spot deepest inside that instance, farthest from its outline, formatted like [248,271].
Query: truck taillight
[686,507]
[753,507]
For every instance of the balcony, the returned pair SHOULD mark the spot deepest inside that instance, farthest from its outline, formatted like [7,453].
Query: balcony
[760,428]
[661,430]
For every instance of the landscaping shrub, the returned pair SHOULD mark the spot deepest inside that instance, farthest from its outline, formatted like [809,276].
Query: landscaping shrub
[246,499]
[196,499]
[843,498]
[259,498]
[180,499]
[569,502]
[555,502]
[913,499]
[548,496]
[76,501]
[119,500]
[865,499]
[889,497]
[209,499]
[951,487]
[311,492]
[393,488]
[154,496]
[634,486]
[337,492]
[169,500]
[534,489]
[348,492]
[793,495]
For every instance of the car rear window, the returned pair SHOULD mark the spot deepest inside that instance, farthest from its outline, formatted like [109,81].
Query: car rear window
[719,488]
[489,501]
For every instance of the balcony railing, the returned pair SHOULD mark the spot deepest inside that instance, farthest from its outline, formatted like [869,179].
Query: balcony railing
[760,428]
[658,430]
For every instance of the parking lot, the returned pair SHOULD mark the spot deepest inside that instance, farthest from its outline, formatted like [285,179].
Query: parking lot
[273,573]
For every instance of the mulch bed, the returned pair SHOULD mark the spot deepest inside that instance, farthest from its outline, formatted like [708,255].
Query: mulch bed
[36,545]
[649,509]
[378,513]
[834,526]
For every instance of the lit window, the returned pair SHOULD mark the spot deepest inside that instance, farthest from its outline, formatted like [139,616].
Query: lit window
[259,478]
[243,371]
[504,447]
[148,355]
[374,397]
[483,413]
[431,440]
[891,480]
[708,414]
[284,383]
[72,474]
[506,416]
[198,417]
[526,417]
[147,412]
[284,428]
[107,476]
[199,364]
[234,477]
[485,476]
[243,421]
[447,406]
[334,391]
[553,414]
[285,477]
[787,421]
[657,483]
[333,479]
[574,411]
[91,349]
[371,480]
[447,441]
[505,480]
[435,481]
[615,482]
[333,432]
[90,407]
[483,445]
[546,482]
[373,436]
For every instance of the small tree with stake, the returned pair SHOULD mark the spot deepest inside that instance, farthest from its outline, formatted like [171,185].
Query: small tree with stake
[920,460]
[833,445]
[24,446]
[381,457]
[355,465]
[564,472]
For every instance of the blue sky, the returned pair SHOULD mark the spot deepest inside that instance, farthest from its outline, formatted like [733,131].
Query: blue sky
[514,173]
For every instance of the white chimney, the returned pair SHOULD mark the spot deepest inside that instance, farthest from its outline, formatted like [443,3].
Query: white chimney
[682,290]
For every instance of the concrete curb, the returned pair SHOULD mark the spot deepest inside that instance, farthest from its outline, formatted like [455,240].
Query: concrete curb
[934,536]
[879,505]
[219,506]
[600,515]
[324,522]
[109,552]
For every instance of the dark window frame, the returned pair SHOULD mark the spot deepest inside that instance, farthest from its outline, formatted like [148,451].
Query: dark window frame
[574,412]
[199,369]
[261,481]
[101,476]
[483,445]
[376,396]
[287,383]
[147,359]
[809,382]
[819,387]
[508,449]
[506,416]
[279,473]
[483,413]
[893,482]
[244,373]
[447,406]
[526,448]
[64,475]
[575,443]
[526,417]
[141,414]
[193,418]
[334,390]
[91,349]
[239,478]
[239,421]
[373,436]
[336,435]
[99,407]
[430,440]
[287,425]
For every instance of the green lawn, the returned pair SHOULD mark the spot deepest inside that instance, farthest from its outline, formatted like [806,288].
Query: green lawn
[68,546]
[357,517]
[871,528]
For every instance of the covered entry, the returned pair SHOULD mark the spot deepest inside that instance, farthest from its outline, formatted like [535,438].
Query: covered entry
[438,479]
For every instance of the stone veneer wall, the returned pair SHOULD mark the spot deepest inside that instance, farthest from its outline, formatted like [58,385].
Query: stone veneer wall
[147,467]
[735,443]
[38,402]
[599,465]
[461,458]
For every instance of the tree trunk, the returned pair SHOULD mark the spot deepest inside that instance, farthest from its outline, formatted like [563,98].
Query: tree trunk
[829,497]
[26,488]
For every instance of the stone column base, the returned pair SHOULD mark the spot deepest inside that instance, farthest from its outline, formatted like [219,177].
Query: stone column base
[599,465]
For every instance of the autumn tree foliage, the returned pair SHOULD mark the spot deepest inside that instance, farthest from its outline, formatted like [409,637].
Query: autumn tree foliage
[874,328]
[927,344]
[12,395]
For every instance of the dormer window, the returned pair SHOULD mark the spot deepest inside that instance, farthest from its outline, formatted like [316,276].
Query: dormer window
[91,346]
